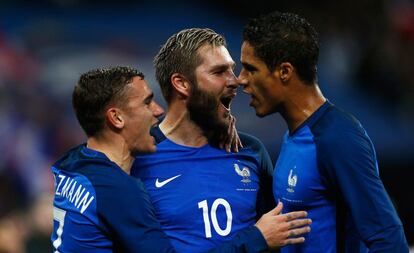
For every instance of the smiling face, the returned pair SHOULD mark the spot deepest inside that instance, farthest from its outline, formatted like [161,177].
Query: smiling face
[214,88]
[140,113]
[264,87]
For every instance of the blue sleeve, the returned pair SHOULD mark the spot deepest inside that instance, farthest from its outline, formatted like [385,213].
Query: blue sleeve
[129,217]
[347,158]
[127,213]
[249,240]
[265,199]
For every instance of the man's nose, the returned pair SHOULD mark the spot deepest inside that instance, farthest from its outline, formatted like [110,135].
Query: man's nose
[242,78]
[233,81]
[157,110]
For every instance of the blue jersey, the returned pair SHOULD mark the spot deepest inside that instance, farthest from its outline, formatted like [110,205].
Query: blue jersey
[203,196]
[99,208]
[328,168]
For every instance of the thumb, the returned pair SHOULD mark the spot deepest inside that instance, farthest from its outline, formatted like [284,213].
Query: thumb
[278,209]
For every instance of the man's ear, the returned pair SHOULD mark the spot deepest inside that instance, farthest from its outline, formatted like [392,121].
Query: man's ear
[181,85]
[115,118]
[285,71]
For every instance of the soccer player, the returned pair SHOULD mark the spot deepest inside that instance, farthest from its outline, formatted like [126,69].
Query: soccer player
[327,164]
[98,206]
[202,194]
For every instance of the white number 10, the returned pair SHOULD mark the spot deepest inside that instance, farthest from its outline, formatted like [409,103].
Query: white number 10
[223,232]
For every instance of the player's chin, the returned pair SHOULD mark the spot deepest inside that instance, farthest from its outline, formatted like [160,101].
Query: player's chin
[152,149]
[260,112]
[148,146]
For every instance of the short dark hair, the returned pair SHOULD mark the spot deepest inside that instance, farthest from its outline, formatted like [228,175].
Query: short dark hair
[179,55]
[95,90]
[285,37]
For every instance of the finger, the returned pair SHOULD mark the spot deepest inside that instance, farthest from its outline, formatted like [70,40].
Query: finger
[295,215]
[299,231]
[231,125]
[236,142]
[227,144]
[295,240]
[277,209]
[233,128]
[234,145]
[230,144]
[232,131]
[240,144]
[299,223]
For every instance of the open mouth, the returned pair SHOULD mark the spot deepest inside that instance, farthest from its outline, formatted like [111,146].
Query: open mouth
[226,101]
[155,125]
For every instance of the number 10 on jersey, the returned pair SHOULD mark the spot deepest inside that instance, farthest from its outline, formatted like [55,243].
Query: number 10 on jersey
[213,217]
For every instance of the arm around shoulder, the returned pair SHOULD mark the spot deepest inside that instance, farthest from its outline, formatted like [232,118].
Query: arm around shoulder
[128,214]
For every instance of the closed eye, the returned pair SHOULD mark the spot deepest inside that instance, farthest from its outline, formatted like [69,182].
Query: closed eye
[219,72]
[223,68]
[149,99]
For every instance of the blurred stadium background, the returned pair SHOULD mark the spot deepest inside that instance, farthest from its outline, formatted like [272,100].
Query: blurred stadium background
[366,67]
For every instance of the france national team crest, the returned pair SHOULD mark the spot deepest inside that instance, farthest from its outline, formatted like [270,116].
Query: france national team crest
[292,181]
[244,173]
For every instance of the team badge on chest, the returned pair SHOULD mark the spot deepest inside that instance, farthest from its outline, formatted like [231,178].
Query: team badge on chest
[244,173]
[292,181]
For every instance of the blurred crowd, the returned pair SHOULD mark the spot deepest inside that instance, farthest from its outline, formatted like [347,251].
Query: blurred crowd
[366,66]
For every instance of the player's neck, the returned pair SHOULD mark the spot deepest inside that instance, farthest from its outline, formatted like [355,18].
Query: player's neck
[178,127]
[115,148]
[301,104]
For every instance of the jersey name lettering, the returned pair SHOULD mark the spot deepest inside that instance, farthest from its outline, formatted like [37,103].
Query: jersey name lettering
[76,193]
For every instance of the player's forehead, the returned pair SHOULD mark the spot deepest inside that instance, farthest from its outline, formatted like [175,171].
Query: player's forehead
[247,53]
[139,88]
[248,57]
[213,56]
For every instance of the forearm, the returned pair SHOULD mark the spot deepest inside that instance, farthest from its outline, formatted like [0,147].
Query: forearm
[248,240]
[390,240]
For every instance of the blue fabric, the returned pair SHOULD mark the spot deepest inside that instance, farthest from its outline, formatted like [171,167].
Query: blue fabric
[204,196]
[103,208]
[328,167]
[99,208]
